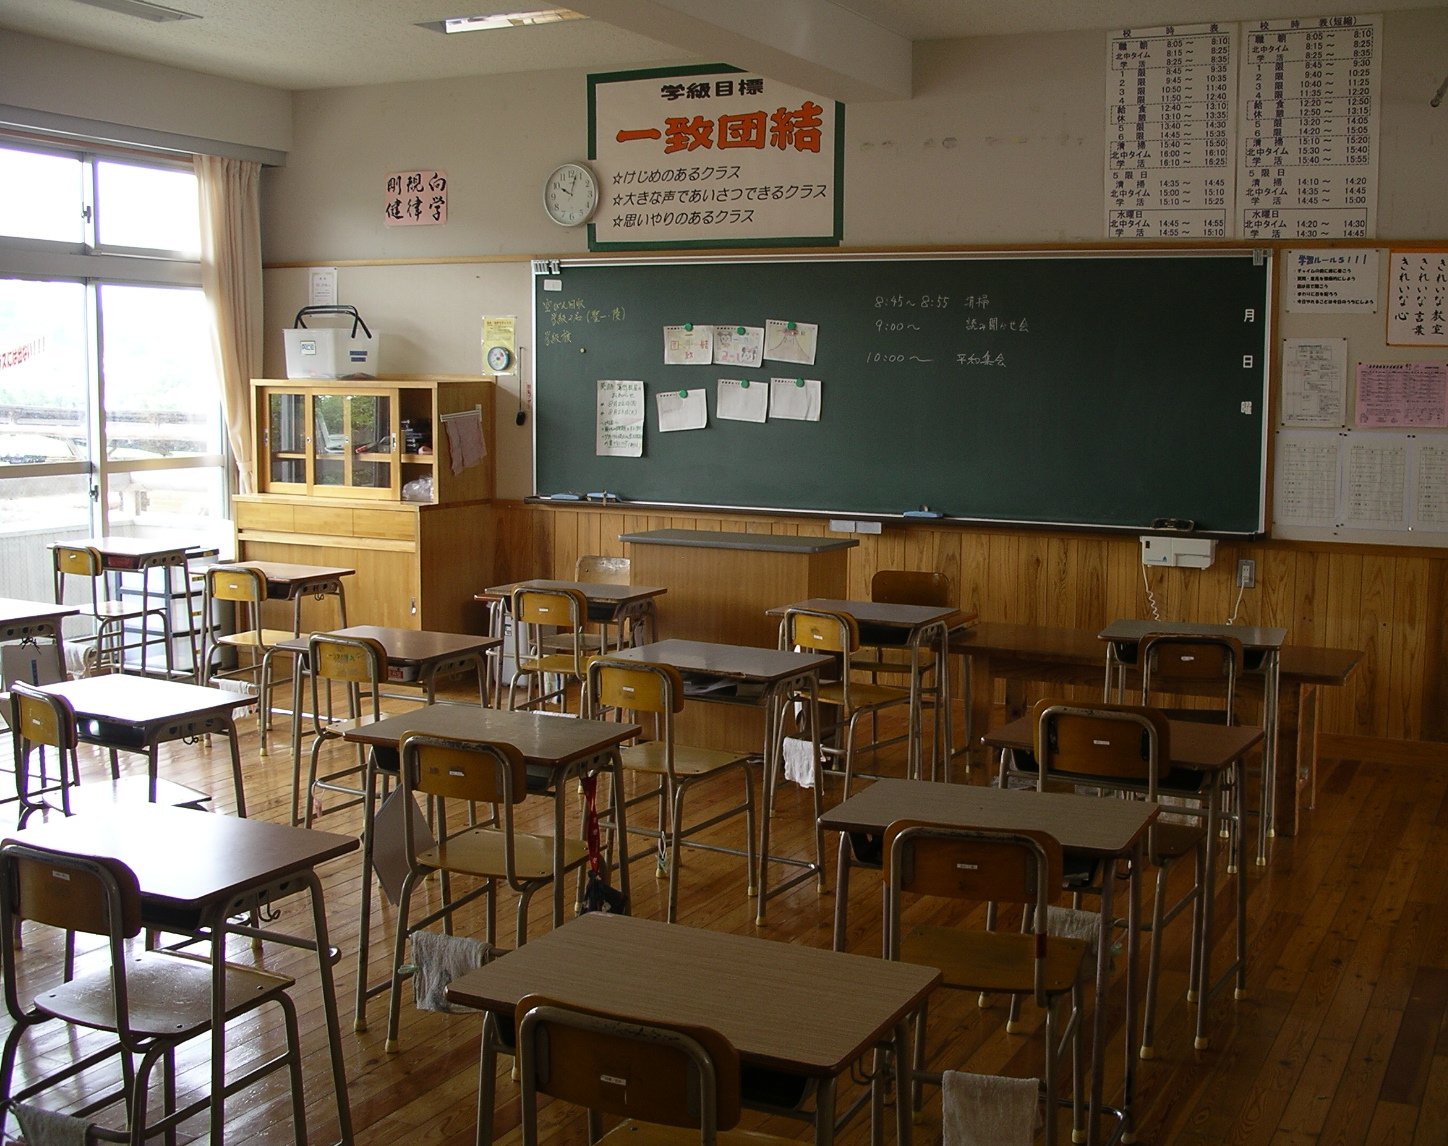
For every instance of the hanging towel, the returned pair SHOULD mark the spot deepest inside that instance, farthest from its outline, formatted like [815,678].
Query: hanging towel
[988,1110]
[1073,923]
[799,762]
[46,1128]
[465,439]
[437,960]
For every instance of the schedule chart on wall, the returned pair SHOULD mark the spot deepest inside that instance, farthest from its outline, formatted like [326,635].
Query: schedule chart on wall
[1170,132]
[1309,100]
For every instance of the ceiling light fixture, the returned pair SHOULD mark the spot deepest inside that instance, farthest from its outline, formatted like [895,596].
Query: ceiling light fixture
[142,10]
[502,20]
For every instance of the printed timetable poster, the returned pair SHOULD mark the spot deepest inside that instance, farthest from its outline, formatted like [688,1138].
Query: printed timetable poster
[711,156]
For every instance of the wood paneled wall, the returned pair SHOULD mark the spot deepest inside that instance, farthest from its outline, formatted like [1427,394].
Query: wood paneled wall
[1390,603]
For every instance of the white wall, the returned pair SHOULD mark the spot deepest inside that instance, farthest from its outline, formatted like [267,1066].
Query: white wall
[55,79]
[1002,143]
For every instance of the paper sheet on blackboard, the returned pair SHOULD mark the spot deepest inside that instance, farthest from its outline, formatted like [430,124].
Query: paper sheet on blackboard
[786,341]
[688,345]
[620,427]
[738,345]
[797,399]
[738,401]
[682,410]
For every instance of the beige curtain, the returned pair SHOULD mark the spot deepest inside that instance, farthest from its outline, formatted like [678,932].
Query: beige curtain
[231,273]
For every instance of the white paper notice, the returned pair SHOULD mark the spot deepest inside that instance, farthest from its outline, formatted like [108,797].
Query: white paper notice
[1418,298]
[1305,483]
[620,429]
[1314,381]
[1375,481]
[790,341]
[738,401]
[1342,281]
[688,345]
[1431,485]
[322,286]
[738,345]
[682,410]
[797,399]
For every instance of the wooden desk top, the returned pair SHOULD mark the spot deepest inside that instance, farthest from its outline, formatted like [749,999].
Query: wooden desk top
[293,578]
[408,646]
[596,592]
[763,542]
[137,546]
[798,1009]
[1084,825]
[733,662]
[1196,746]
[185,858]
[139,701]
[15,611]
[1251,636]
[879,614]
[543,739]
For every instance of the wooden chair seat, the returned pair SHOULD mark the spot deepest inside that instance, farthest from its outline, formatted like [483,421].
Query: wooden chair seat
[862,694]
[481,852]
[994,961]
[252,640]
[561,663]
[169,995]
[653,758]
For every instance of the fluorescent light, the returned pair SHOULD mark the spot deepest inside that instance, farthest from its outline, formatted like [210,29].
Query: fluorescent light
[503,20]
[142,9]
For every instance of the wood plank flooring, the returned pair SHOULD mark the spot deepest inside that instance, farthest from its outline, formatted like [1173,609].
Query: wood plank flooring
[1340,1040]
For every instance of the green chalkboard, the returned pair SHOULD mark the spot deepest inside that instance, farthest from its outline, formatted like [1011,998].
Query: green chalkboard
[1084,389]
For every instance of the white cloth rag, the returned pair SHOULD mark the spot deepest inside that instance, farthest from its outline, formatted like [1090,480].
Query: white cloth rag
[1074,923]
[46,1128]
[465,440]
[799,761]
[988,1110]
[437,960]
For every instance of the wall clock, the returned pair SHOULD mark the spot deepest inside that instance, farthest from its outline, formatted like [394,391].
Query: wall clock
[571,194]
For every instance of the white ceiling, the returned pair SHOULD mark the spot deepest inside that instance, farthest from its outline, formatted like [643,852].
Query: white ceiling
[847,49]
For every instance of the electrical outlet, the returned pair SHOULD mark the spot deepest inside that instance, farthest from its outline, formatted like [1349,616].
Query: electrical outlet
[1246,573]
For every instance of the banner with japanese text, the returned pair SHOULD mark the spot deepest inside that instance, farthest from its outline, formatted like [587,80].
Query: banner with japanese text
[713,157]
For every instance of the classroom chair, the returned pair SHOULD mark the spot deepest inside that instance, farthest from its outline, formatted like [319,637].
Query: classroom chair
[149,1002]
[826,631]
[358,665]
[473,772]
[245,589]
[541,615]
[106,648]
[672,1083]
[1021,867]
[656,691]
[1126,750]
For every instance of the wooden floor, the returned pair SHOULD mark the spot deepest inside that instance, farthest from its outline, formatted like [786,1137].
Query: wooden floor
[1341,1038]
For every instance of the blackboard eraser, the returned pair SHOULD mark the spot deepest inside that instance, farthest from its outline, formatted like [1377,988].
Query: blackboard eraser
[564,497]
[931,513]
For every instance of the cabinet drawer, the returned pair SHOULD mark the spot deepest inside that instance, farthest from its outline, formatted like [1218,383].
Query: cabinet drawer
[330,520]
[384,523]
[263,515]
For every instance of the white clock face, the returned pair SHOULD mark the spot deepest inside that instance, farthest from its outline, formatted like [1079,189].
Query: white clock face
[570,195]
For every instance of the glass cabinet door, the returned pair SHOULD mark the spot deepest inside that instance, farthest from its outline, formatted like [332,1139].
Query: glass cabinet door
[375,446]
[285,448]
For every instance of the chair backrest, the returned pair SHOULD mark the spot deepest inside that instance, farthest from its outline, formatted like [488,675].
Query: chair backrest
[596,569]
[1111,744]
[912,587]
[79,561]
[237,583]
[565,609]
[40,717]
[1177,662]
[455,768]
[671,1074]
[642,686]
[359,661]
[822,631]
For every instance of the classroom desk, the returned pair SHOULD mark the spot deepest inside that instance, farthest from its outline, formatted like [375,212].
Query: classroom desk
[1023,654]
[27,621]
[762,678]
[787,1008]
[607,604]
[561,746]
[721,583]
[415,658]
[286,581]
[1112,831]
[202,873]
[139,714]
[1261,655]
[911,627]
[1214,751]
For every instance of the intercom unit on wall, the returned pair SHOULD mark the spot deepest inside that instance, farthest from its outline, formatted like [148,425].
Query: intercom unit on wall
[1186,552]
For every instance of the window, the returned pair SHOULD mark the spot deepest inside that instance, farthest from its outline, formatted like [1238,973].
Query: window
[110,407]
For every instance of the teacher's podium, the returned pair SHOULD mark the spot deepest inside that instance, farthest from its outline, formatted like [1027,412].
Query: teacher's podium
[720,586]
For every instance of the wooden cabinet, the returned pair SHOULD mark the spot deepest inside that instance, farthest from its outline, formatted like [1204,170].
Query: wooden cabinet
[340,469]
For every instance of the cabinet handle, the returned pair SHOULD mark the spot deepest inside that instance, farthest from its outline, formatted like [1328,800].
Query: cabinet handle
[412,606]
